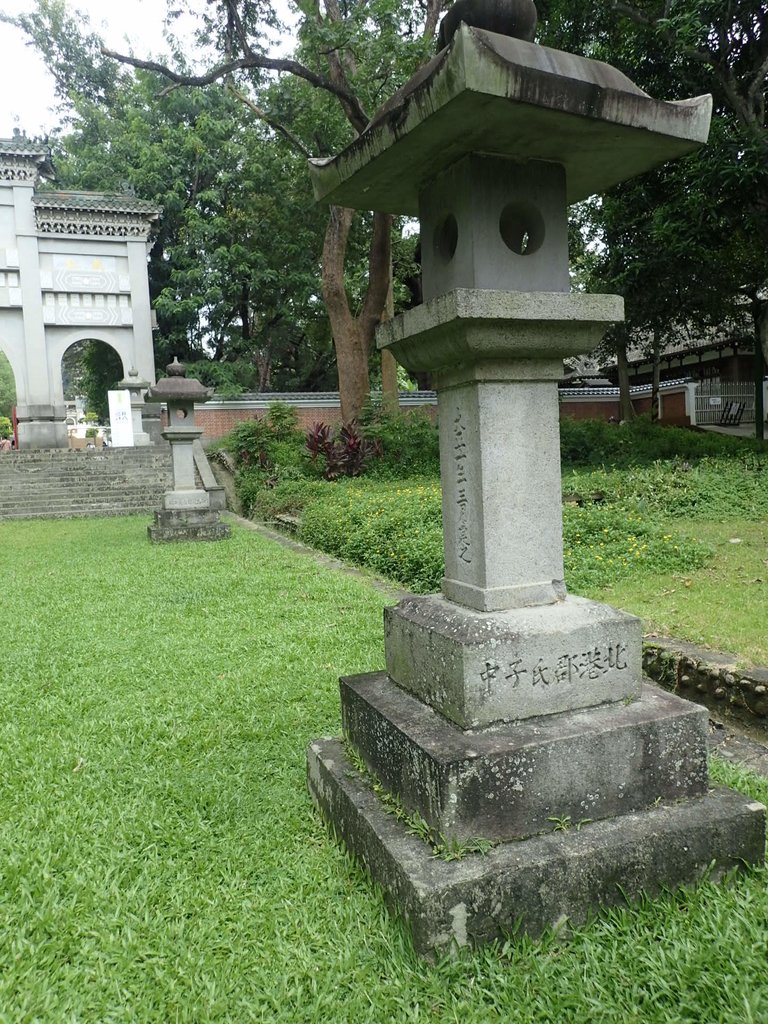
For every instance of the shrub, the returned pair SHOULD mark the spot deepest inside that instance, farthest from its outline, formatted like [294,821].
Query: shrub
[640,442]
[341,452]
[606,543]
[6,427]
[396,531]
[290,496]
[409,443]
[714,489]
[267,450]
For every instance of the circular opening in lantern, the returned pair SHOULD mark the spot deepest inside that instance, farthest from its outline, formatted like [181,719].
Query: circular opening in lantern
[446,238]
[522,228]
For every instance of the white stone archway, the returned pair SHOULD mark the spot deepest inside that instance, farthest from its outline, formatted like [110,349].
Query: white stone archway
[73,267]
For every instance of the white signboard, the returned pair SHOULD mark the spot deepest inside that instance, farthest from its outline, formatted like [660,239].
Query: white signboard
[121,418]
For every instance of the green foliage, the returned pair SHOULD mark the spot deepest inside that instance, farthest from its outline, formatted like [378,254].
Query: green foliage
[234,268]
[289,496]
[7,387]
[393,531]
[267,450]
[715,489]
[409,443]
[606,543]
[6,426]
[638,442]
[616,522]
[684,263]
[91,369]
[396,531]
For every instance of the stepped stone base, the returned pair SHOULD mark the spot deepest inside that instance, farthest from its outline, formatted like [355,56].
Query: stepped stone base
[173,525]
[529,885]
[512,780]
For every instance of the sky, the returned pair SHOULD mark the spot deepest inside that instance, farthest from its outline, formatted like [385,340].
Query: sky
[26,86]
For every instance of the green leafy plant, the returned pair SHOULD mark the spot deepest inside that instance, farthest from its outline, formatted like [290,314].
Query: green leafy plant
[267,450]
[342,452]
[409,443]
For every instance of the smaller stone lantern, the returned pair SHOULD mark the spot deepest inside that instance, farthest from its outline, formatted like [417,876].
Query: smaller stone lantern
[135,388]
[186,513]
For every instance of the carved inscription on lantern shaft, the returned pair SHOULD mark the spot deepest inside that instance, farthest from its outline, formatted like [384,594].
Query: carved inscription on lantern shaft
[462,491]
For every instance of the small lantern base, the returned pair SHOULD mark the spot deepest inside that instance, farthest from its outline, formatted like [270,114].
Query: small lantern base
[178,525]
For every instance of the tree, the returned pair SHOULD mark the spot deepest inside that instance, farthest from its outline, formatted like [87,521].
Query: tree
[234,272]
[356,53]
[91,369]
[689,240]
[7,387]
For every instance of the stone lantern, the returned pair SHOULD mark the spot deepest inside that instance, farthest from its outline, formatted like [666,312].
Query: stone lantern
[136,389]
[509,705]
[186,513]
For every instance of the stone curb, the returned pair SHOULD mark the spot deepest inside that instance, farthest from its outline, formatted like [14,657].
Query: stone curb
[712,678]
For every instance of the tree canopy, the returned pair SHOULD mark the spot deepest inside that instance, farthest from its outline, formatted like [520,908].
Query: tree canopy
[685,245]
[249,278]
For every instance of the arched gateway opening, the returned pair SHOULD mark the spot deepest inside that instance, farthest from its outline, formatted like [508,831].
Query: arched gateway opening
[73,267]
[90,369]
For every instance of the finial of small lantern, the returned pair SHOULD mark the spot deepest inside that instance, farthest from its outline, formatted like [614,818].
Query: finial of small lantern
[176,369]
[516,18]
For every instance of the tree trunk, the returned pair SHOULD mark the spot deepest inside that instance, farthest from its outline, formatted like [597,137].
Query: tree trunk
[352,336]
[656,364]
[390,393]
[626,409]
[760,317]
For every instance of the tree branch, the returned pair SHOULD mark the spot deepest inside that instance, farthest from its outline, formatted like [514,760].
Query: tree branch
[242,35]
[291,67]
[267,119]
[434,10]
[641,18]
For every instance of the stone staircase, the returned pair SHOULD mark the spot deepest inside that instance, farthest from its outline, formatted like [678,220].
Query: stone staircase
[64,483]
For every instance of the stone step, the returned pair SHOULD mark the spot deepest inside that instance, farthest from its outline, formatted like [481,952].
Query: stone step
[62,483]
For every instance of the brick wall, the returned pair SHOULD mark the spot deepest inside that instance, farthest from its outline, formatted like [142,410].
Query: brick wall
[217,418]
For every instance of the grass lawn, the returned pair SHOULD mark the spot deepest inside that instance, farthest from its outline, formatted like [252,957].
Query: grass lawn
[723,605]
[160,860]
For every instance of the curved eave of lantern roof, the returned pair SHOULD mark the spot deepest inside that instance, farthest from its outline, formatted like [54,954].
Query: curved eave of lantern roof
[488,93]
[101,214]
[178,390]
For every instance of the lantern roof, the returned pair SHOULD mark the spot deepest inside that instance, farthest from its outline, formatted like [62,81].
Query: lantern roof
[491,93]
